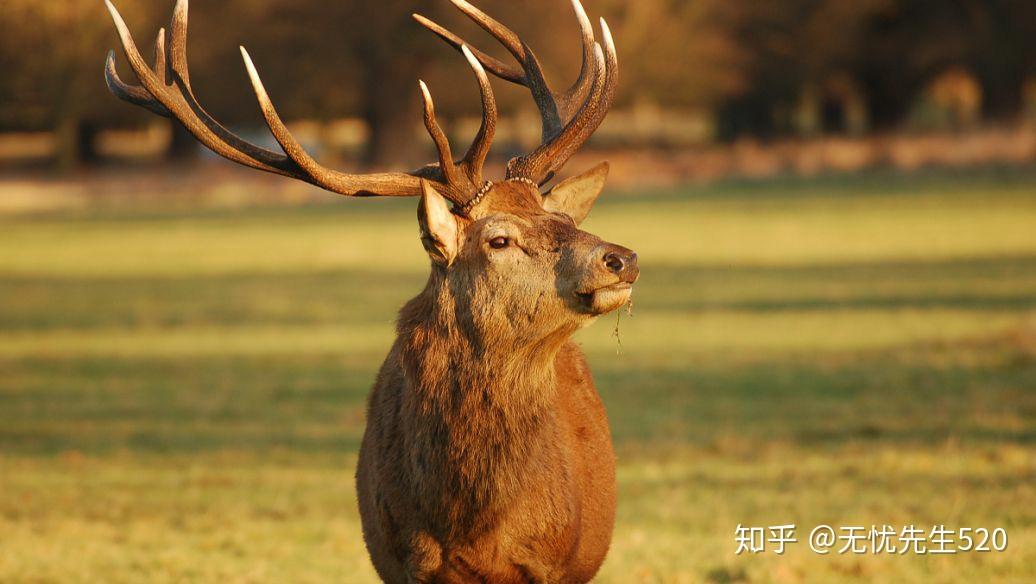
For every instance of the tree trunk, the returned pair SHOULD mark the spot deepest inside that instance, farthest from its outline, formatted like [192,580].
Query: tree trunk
[1003,92]
[76,143]
[183,147]
[392,111]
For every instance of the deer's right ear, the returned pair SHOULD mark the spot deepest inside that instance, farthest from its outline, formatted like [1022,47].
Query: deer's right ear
[438,226]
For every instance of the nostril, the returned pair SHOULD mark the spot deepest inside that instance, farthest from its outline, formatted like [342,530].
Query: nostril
[614,262]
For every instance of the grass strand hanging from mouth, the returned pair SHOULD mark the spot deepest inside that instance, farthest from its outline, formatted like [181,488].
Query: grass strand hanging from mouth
[618,321]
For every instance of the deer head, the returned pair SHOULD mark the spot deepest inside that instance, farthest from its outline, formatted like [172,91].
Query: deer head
[519,265]
[513,255]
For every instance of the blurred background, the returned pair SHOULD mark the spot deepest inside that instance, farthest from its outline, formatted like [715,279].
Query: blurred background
[834,203]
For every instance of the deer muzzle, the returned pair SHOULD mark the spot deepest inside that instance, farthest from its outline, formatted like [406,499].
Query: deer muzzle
[622,262]
[615,270]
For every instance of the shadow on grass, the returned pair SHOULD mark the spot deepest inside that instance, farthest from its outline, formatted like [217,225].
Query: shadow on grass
[982,283]
[995,283]
[100,405]
[973,394]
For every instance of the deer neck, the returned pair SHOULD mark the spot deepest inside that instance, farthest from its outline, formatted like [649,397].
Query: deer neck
[455,356]
[485,397]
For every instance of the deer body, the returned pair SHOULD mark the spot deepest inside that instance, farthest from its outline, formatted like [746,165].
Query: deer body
[510,480]
[487,455]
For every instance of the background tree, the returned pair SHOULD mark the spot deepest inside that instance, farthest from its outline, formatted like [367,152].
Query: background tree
[47,83]
[764,67]
[891,48]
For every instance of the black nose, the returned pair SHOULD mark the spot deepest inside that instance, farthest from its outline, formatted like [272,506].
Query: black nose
[622,262]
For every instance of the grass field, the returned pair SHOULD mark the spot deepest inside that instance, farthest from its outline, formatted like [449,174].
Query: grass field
[182,393]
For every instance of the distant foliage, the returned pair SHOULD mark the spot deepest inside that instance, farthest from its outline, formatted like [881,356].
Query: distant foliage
[781,66]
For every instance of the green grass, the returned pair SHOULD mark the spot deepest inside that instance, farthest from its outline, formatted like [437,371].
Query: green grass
[182,393]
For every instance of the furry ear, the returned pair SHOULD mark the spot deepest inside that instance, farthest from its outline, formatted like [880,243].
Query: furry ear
[575,196]
[438,226]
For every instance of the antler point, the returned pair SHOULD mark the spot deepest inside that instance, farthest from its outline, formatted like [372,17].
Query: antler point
[473,61]
[580,11]
[609,40]
[426,95]
[114,12]
[257,82]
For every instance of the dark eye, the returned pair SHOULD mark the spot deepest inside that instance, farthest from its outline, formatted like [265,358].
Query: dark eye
[499,242]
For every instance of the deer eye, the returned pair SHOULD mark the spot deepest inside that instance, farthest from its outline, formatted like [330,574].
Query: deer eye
[499,242]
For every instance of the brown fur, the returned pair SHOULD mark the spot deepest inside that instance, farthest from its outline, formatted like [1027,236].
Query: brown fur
[487,455]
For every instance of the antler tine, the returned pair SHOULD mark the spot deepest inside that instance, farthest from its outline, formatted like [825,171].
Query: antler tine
[565,104]
[575,95]
[178,107]
[161,66]
[475,159]
[570,117]
[177,59]
[531,74]
[166,90]
[442,143]
[495,66]
[311,170]
[541,164]
[507,37]
[178,43]
[136,94]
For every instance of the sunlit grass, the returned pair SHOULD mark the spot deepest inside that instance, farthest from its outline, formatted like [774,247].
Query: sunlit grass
[182,393]
[928,221]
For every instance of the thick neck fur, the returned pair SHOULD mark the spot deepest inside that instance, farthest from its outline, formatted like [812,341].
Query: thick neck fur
[477,398]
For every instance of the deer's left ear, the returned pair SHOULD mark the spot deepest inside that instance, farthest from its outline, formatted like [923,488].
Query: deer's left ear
[576,196]
[438,226]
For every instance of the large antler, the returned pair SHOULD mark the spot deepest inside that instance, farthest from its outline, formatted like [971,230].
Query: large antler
[166,90]
[569,117]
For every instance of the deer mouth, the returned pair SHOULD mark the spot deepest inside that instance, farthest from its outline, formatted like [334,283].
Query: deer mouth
[605,299]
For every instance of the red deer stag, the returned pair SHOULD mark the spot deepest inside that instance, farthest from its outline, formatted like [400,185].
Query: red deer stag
[487,455]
